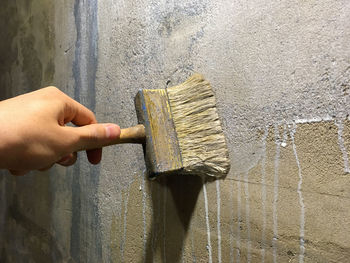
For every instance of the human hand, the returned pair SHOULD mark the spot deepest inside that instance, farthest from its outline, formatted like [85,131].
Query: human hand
[33,135]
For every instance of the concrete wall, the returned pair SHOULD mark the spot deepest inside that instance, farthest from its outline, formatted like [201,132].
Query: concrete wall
[280,70]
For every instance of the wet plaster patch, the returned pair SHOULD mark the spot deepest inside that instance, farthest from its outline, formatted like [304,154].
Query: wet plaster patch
[311,192]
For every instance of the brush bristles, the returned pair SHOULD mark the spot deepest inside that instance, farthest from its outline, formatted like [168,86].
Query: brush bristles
[201,139]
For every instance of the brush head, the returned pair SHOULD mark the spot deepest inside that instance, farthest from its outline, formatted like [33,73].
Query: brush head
[183,130]
[198,128]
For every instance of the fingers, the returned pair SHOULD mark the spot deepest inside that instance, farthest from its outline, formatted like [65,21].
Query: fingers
[93,136]
[68,160]
[78,114]
[89,137]
[73,111]
[94,156]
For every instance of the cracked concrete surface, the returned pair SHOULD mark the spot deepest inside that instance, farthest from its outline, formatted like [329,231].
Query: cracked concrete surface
[280,70]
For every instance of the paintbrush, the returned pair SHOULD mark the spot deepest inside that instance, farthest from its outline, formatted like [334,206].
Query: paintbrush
[180,130]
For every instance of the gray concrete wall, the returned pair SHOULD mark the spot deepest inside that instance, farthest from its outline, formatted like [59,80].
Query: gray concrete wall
[280,70]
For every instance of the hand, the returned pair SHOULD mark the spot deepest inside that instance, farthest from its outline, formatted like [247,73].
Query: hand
[33,135]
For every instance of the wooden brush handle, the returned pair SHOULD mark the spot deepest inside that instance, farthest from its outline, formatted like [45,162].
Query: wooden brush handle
[134,134]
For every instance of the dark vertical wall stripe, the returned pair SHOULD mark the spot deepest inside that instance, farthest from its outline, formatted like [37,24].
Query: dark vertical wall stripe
[85,217]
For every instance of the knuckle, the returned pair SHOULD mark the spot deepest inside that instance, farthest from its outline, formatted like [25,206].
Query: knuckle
[52,93]
[52,89]
[87,138]
[94,133]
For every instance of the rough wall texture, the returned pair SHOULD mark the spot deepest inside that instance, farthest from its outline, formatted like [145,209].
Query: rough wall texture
[280,70]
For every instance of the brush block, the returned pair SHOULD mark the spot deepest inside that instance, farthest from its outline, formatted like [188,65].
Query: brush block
[161,149]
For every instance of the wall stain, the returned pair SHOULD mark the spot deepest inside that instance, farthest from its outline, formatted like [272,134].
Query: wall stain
[37,237]
[27,49]
[84,200]
[28,62]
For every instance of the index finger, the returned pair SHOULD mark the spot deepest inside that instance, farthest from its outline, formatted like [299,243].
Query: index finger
[77,113]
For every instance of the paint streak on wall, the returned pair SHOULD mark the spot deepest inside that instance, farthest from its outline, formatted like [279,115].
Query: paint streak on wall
[301,199]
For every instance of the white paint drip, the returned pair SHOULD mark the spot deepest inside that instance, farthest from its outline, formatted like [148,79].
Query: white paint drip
[263,193]
[192,242]
[285,136]
[275,195]
[122,245]
[218,201]
[340,126]
[164,222]
[207,221]
[238,217]
[301,199]
[247,216]
[312,120]
[144,207]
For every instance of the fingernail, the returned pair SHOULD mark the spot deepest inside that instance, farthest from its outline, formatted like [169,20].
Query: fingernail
[112,131]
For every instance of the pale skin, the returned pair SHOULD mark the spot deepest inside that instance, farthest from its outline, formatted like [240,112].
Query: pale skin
[34,135]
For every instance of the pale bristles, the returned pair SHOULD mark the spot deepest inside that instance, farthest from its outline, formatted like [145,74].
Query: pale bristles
[199,132]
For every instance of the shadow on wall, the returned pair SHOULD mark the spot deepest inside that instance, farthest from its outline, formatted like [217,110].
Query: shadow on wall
[174,199]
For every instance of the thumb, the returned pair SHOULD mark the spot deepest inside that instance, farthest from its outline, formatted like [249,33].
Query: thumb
[94,136]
